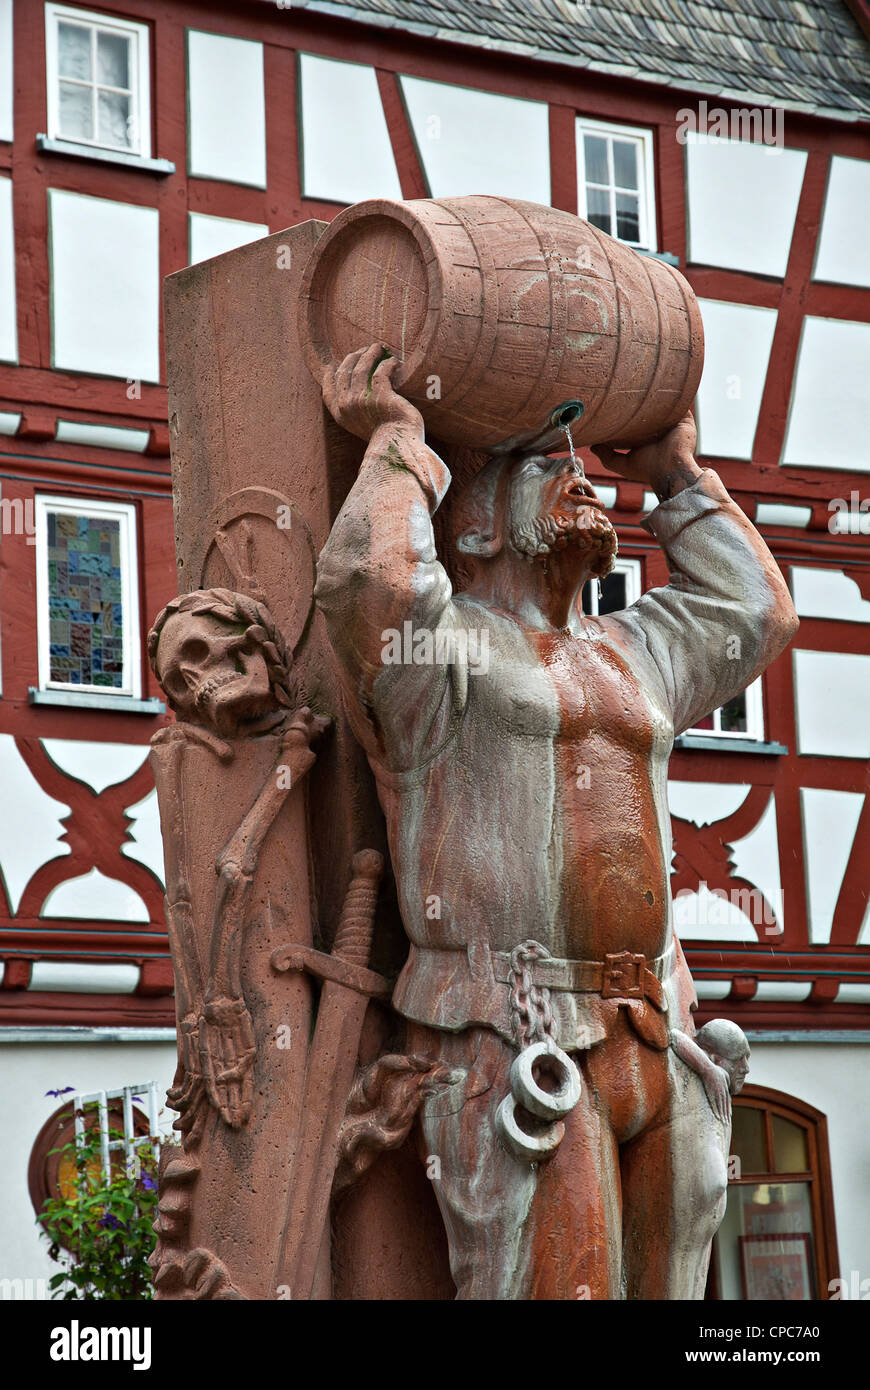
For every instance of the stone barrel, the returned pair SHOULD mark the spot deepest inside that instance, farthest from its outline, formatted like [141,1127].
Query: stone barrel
[504,315]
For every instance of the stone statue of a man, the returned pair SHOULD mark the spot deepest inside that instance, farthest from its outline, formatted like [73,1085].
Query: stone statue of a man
[523,780]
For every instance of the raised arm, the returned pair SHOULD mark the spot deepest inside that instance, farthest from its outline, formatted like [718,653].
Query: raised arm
[379,571]
[726,613]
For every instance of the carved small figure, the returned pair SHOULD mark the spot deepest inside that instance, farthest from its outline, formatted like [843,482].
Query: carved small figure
[719,1053]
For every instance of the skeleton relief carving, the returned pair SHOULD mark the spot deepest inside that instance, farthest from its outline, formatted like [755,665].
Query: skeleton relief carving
[221,661]
[225,668]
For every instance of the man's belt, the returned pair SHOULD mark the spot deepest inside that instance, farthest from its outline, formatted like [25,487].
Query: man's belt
[621,975]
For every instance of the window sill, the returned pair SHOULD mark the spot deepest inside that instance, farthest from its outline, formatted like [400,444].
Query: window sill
[667,256]
[125,704]
[46,145]
[729,745]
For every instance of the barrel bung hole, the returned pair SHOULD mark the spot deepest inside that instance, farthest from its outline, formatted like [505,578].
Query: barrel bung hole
[567,414]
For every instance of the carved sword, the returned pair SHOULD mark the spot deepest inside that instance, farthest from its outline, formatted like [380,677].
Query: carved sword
[348,985]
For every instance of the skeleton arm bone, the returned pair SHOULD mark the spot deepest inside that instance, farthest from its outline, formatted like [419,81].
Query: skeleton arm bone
[237,862]
[179,916]
[226,1041]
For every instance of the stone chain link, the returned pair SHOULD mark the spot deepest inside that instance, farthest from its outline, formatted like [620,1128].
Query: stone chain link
[531,1011]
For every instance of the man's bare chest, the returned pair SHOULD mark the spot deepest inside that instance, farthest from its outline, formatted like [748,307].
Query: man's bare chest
[566,688]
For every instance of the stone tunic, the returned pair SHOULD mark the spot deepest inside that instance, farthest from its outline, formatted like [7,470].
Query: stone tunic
[523,774]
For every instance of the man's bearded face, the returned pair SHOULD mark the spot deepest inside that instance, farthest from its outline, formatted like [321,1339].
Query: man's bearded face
[551,506]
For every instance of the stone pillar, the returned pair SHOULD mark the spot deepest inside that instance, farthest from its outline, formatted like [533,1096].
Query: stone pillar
[259,473]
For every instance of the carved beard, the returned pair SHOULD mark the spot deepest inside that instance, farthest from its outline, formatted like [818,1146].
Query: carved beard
[588,528]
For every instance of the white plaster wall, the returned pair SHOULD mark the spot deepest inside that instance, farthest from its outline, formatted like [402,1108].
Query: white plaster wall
[830,405]
[843,253]
[95,896]
[742,197]
[830,819]
[100,765]
[479,142]
[345,145]
[738,339]
[6,84]
[832,694]
[31,823]
[27,1071]
[105,286]
[827,593]
[8,302]
[102,436]
[212,236]
[835,1078]
[227,109]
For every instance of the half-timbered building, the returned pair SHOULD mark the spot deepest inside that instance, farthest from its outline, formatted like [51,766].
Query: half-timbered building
[731,140]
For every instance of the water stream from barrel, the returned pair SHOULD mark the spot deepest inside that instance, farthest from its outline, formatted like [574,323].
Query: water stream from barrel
[577,465]
[575,462]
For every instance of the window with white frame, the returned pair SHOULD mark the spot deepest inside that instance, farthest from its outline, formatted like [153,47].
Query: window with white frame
[615,591]
[87,595]
[97,80]
[616,181]
[740,718]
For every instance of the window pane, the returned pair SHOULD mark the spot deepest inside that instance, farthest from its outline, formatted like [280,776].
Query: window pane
[765,1244]
[595,150]
[74,51]
[733,715]
[627,217]
[612,597]
[113,115]
[747,1139]
[113,65]
[790,1146]
[625,164]
[84,585]
[76,112]
[598,208]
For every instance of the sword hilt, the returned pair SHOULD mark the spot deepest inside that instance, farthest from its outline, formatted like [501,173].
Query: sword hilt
[353,939]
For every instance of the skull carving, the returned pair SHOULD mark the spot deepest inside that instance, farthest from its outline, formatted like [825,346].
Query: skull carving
[217,656]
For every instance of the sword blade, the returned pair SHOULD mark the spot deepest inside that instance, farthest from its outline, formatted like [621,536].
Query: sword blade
[328,1080]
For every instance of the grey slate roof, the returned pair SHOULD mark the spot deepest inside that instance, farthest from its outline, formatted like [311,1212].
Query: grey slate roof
[804,55]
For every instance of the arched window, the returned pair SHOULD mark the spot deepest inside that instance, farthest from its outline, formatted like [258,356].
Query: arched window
[52,1168]
[778,1239]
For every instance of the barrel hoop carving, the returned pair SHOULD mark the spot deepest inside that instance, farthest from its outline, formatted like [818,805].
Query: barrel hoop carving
[643,404]
[557,340]
[489,316]
[490,298]
[693,316]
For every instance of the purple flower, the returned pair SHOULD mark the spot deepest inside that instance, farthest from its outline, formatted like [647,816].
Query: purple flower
[148,1183]
[62,1092]
[110,1222]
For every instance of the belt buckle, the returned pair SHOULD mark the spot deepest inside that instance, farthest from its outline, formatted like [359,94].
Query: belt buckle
[623,976]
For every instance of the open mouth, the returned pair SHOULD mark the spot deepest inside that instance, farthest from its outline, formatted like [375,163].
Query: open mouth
[209,687]
[580,492]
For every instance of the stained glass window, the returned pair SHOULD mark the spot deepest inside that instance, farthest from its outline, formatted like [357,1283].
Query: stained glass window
[86,595]
[85,612]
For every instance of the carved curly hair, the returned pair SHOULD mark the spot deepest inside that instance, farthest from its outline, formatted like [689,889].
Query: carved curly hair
[237,609]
